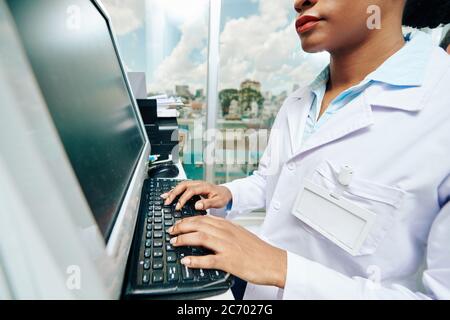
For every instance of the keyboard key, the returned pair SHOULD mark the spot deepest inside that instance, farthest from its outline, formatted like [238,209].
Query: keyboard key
[172,272]
[187,273]
[158,220]
[157,264]
[148,235]
[167,216]
[216,274]
[157,234]
[168,223]
[157,253]
[147,264]
[157,226]
[147,253]
[181,254]
[157,214]
[171,257]
[146,277]
[158,276]
[157,243]
[148,243]
[169,247]
[150,214]
[177,214]
[149,227]
[201,275]
[150,220]
[158,208]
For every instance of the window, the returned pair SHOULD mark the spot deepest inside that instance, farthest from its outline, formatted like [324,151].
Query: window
[168,39]
[261,64]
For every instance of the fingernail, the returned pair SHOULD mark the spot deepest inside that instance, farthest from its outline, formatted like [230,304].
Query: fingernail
[173,240]
[164,196]
[167,202]
[178,207]
[170,230]
[199,206]
[186,261]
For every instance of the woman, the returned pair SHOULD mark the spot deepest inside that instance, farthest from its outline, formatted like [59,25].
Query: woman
[356,176]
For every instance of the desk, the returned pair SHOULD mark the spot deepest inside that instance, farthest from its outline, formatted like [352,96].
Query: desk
[224,296]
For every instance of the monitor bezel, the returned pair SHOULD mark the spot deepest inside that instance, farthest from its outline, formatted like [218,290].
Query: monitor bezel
[107,18]
[118,243]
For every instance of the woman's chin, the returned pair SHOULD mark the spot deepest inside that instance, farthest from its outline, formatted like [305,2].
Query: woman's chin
[312,48]
[312,43]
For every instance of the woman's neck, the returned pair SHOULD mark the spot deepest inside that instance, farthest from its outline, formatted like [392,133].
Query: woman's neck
[350,66]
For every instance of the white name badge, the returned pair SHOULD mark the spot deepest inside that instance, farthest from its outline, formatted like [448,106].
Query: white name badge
[338,219]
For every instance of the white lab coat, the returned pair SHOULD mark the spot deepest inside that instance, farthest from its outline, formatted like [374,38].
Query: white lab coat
[398,143]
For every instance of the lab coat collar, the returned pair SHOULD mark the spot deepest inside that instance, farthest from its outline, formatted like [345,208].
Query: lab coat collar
[297,112]
[357,115]
[411,99]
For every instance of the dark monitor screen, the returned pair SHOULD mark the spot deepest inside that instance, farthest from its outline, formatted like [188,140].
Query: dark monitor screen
[73,56]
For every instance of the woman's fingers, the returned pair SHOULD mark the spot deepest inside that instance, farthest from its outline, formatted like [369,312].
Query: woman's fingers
[206,204]
[200,189]
[197,239]
[216,196]
[179,189]
[205,224]
[201,262]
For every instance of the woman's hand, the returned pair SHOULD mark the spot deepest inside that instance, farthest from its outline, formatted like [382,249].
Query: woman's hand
[214,196]
[236,250]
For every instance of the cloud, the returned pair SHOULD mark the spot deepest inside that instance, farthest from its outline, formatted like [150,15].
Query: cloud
[127,15]
[262,47]
[179,68]
[270,46]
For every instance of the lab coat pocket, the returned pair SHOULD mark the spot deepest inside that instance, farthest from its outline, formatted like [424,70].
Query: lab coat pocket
[382,200]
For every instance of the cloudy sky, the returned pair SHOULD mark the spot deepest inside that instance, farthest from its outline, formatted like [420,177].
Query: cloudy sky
[168,39]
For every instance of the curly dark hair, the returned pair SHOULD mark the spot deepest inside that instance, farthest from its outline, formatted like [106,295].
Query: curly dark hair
[426,13]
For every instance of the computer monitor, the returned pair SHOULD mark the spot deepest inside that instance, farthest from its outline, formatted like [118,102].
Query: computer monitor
[73,54]
[138,84]
[83,84]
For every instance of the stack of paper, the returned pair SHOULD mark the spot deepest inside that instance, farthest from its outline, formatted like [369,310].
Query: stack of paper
[167,106]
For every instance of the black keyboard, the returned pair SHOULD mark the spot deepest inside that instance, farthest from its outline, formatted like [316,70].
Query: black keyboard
[154,268]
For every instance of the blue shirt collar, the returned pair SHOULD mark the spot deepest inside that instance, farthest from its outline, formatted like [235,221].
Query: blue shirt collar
[405,68]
